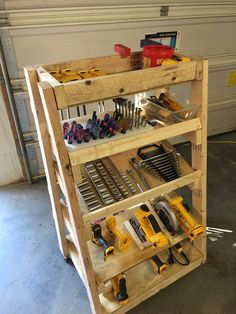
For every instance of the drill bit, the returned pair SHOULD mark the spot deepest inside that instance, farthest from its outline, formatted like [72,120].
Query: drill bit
[126,115]
[136,117]
[139,112]
[132,123]
[129,108]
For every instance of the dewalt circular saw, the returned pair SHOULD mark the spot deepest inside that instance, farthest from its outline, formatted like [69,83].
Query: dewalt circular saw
[167,216]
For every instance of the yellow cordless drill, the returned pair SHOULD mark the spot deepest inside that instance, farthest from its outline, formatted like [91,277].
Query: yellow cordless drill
[124,240]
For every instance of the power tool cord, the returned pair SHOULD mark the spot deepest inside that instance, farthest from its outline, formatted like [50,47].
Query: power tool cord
[173,259]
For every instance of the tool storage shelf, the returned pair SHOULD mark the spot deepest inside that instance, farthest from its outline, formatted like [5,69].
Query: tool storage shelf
[63,169]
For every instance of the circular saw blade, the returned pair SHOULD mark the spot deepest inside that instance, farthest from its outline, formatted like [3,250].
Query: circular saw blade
[170,215]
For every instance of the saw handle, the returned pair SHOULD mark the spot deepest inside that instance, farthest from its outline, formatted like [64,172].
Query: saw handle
[154,223]
[151,219]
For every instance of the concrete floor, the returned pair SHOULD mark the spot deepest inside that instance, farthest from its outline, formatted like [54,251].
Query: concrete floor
[35,279]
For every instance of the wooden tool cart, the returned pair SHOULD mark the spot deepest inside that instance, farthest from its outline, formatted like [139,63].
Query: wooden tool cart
[73,222]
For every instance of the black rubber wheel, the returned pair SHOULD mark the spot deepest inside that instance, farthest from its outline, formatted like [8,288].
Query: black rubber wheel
[68,260]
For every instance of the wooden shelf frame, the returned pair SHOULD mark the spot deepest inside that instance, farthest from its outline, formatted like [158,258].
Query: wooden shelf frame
[47,96]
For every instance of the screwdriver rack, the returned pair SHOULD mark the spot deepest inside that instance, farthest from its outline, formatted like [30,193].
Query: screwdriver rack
[62,166]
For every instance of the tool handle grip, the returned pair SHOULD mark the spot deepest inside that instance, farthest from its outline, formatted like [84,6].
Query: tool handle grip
[154,223]
[158,263]
[103,242]
[122,295]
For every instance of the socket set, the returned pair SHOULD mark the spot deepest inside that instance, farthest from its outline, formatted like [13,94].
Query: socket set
[120,178]
[127,180]
[88,194]
[95,171]
[102,184]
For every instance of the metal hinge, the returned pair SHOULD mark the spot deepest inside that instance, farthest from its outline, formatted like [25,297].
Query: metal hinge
[164,10]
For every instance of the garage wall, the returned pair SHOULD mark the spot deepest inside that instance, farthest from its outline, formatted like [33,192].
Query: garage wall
[53,31]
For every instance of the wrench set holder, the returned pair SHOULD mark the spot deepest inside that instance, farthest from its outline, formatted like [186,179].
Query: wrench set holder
[119,190]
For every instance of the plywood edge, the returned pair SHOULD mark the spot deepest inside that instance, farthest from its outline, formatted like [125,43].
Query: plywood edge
[82,155]
[128,260]
[142,197]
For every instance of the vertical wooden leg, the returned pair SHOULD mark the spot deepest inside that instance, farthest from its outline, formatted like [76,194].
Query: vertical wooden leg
[199,152]
[40,122]
[65,170]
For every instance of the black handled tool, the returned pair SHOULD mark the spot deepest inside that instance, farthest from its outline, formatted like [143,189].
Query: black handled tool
[119,289]
[157,264]
[98,239]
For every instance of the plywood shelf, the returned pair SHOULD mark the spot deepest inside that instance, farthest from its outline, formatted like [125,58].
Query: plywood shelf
[121,262]
[158,186]
[142,282]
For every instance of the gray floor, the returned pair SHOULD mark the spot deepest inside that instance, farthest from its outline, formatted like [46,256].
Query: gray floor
[35,279]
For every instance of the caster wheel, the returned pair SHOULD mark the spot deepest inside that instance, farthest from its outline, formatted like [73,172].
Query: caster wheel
[68,259]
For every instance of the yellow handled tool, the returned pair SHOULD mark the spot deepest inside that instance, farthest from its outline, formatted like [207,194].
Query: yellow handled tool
[69,75]
[169,103]
[84,74]
[96,72]
[124,240]
[157,264]
[185,219]
[119,289]
[149,227]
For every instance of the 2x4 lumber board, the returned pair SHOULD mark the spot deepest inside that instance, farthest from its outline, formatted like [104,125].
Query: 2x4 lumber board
[54,129]
[46,150]
[142,197]
[45,76]
[199,152]
[75,259]
[67,220]
[119,84]
[109,64]
[87,154]
[76,174]
[142,283]
[88,233]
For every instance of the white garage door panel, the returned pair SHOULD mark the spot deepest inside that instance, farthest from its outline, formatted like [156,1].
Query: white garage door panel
[217,84]
[50,45]
[20,4]
[206,30]
[222,119]
[10,165]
